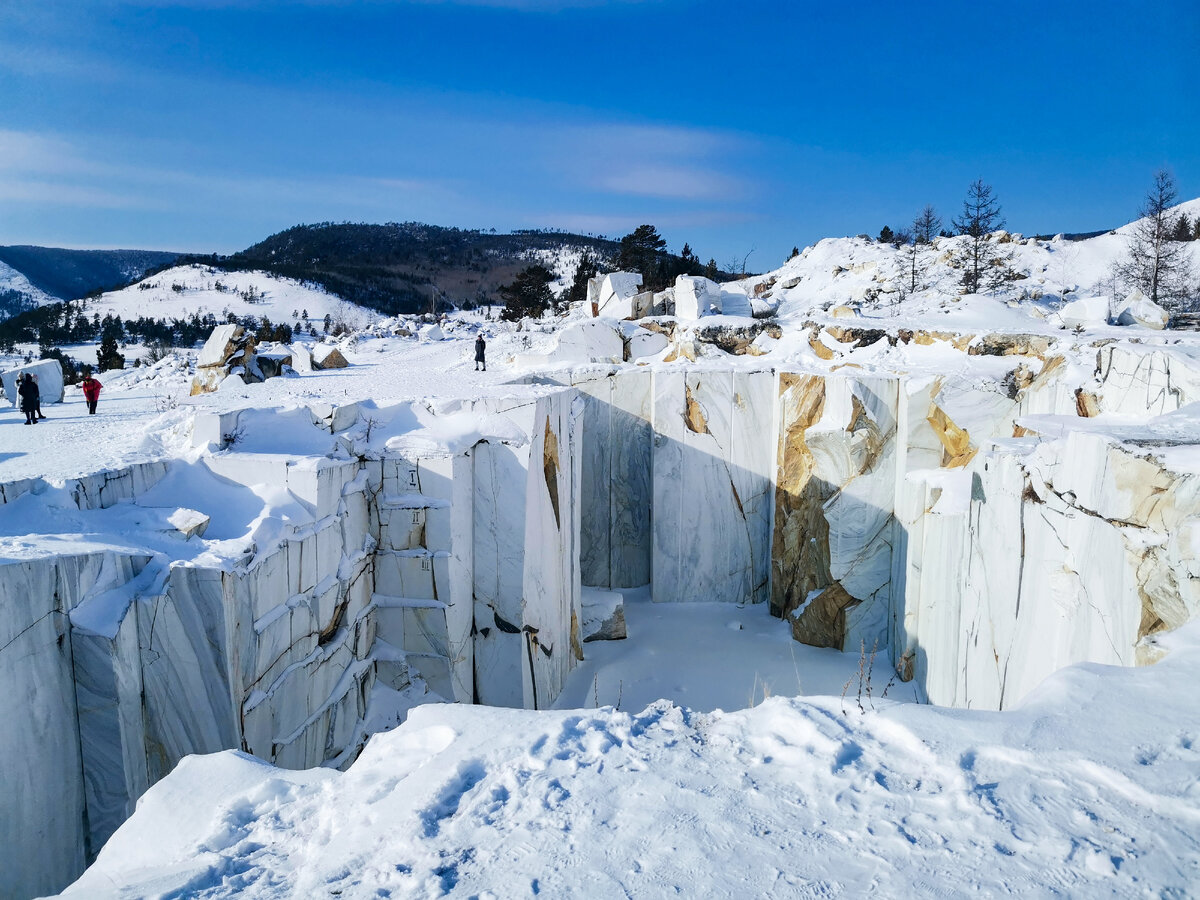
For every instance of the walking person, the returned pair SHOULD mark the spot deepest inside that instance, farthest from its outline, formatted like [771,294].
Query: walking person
[28,390]
[480,349]
[91,392]
[39,395]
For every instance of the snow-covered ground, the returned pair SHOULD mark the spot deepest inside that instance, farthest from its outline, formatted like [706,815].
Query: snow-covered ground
[709,656]
[1089,789]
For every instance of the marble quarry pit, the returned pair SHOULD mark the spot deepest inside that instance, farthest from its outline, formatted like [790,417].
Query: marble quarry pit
[982,533]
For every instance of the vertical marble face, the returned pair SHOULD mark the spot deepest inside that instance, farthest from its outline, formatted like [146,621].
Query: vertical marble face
[551,613]
[42,837]
[711,472]
[615,472]
[499,479]
[833,539]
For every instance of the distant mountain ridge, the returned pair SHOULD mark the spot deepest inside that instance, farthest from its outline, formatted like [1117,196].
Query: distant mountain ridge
[72,274]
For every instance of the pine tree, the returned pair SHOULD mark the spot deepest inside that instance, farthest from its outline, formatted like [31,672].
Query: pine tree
[1155,263]
[528,295]
[980,217]
[107,357]
[584,272]
[886,236]
[795,253]
[642,251]
[710,269]
[1183,229]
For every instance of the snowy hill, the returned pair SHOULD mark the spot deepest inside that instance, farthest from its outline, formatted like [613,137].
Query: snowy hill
[185,291]
[17,293]
[875,278]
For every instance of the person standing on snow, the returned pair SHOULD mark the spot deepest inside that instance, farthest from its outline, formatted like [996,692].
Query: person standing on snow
[28,390]
[91,392]
[480,349]
[39,396]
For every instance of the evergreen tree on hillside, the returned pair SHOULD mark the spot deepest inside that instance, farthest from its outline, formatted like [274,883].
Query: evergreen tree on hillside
[1183,229]
[108,357]
[528,295]
[980,217]
[642,251]
[885,235]
[795,253]
[710,269]
[1156,263]
[584,272]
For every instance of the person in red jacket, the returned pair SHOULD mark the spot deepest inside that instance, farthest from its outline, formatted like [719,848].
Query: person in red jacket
[91,393]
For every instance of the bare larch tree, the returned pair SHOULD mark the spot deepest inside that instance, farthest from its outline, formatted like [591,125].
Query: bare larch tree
[919,235]
[1155,262]
[980,217]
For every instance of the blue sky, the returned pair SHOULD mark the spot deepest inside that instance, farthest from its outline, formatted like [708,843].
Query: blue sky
[208,124]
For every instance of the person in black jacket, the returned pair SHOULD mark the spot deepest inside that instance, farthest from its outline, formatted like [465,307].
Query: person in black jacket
[30,398]
[38,388]
[480,349]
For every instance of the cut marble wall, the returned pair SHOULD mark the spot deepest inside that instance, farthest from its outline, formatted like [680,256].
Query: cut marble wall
[615,472]
[527,593]
[1064,551]
[712,466]
[834,530]
[42,834]
[500,475]
[551,609]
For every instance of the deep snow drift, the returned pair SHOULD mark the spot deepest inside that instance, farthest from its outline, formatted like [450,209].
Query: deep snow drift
[1088,789]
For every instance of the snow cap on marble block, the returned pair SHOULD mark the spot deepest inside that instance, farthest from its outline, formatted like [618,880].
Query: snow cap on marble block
[220,345]
[49,380]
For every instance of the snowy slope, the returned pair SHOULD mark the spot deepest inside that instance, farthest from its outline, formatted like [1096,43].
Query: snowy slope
[870,276]
[202,290]
[12,280]
[791,798]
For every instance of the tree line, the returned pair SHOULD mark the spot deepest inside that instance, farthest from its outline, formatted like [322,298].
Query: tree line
[1156,260]
[643,250]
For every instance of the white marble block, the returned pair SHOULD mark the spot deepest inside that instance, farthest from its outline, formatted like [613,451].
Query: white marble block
[696,296]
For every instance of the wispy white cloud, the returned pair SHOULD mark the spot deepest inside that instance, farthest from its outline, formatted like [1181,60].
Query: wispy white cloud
[672,182]
[49,170]
[57,193]
[656,161]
